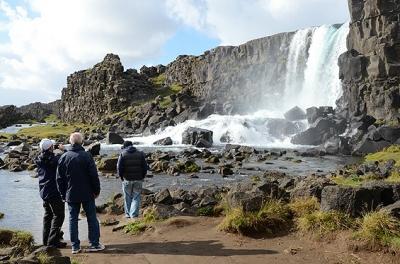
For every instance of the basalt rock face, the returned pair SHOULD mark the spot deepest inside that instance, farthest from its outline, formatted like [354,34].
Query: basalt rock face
[105,89]
[370,69]
[236,77]
[9,115]
[39,111]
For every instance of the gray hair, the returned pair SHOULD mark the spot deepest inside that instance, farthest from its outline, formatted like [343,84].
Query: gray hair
[76,138]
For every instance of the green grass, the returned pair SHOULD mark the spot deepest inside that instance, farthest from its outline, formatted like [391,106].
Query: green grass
[205,211]
[43,258]
[52,131]
[324,223]
[21,240]
[272,219]
[51,119]
[140,225]
[394,177]
[159,80]
[389,153]
[176,88]
[379,229]
[165,102]
[351,181]
[304,206]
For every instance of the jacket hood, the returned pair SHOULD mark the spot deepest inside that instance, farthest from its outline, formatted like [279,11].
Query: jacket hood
[130,149]
[76,147]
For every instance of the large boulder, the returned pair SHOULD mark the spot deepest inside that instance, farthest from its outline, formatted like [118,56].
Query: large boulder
[163,142]
[320,131]
[94,149]
[163,197]
[313,113]
[108,164]
[366,145]
[114,138]
[311,186]
[356,201]
[193,136]
[295,114]
[390,134]
[280,128]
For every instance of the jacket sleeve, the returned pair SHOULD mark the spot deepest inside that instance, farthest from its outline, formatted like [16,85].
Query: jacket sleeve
[120,167]
[93,175]
[61,180]
[145,165]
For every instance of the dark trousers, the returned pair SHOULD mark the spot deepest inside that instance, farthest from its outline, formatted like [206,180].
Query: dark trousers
[93,224]
[54,214]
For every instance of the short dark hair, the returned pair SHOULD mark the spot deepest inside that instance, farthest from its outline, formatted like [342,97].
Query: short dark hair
[127,144]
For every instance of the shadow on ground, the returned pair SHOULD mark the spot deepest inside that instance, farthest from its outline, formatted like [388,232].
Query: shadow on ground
[193,248]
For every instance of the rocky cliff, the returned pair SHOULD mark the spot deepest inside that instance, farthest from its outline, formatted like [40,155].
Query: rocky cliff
[105,89]
[370,70]
[241,77]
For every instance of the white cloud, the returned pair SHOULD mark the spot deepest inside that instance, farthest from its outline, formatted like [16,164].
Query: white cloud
[67,35]
[57,37]
[237,21]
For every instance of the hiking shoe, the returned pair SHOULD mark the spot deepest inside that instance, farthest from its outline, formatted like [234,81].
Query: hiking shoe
[99,247]
[76,250]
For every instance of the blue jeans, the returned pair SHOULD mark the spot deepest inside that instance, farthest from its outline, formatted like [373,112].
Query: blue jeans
[93,224]
[132,197]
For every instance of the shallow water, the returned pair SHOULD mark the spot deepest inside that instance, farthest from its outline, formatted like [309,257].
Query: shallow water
[22,206]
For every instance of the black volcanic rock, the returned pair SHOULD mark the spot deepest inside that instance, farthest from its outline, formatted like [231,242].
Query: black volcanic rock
[370,69]
[92,94]
[295,114]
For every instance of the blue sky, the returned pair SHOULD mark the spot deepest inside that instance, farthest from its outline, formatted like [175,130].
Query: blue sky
[43,41]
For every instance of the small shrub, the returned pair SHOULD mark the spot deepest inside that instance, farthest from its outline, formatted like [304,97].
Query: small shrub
[379,229]
[303,206]
[150,216]
[135,228]
[273,218]
[205,211]
[324,223]
[139,226]
[1,215]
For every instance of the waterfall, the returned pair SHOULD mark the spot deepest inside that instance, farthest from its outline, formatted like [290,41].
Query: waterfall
[311,79]
[315,76]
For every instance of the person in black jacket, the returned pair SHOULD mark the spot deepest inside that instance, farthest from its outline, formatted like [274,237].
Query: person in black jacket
[54,208]
[79,185]
[132,168]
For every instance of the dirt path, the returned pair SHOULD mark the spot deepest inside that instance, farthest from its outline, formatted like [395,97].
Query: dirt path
[197,240]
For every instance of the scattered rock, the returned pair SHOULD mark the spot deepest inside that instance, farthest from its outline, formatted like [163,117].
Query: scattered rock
[114,138]
[164,142]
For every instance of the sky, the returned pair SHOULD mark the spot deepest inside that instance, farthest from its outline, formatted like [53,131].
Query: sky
[43,41]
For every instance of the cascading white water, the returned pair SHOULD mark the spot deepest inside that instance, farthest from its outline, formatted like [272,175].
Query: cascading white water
[312,79]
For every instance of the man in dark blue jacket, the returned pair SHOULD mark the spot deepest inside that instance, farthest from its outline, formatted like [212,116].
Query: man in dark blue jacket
[79,185]
[132,169]
[54,208]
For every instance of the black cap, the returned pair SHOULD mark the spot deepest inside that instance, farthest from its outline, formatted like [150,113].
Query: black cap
[127,144]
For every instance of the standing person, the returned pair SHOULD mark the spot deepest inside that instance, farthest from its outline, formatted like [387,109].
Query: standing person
[54,207]
[132,168]
[79,185]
